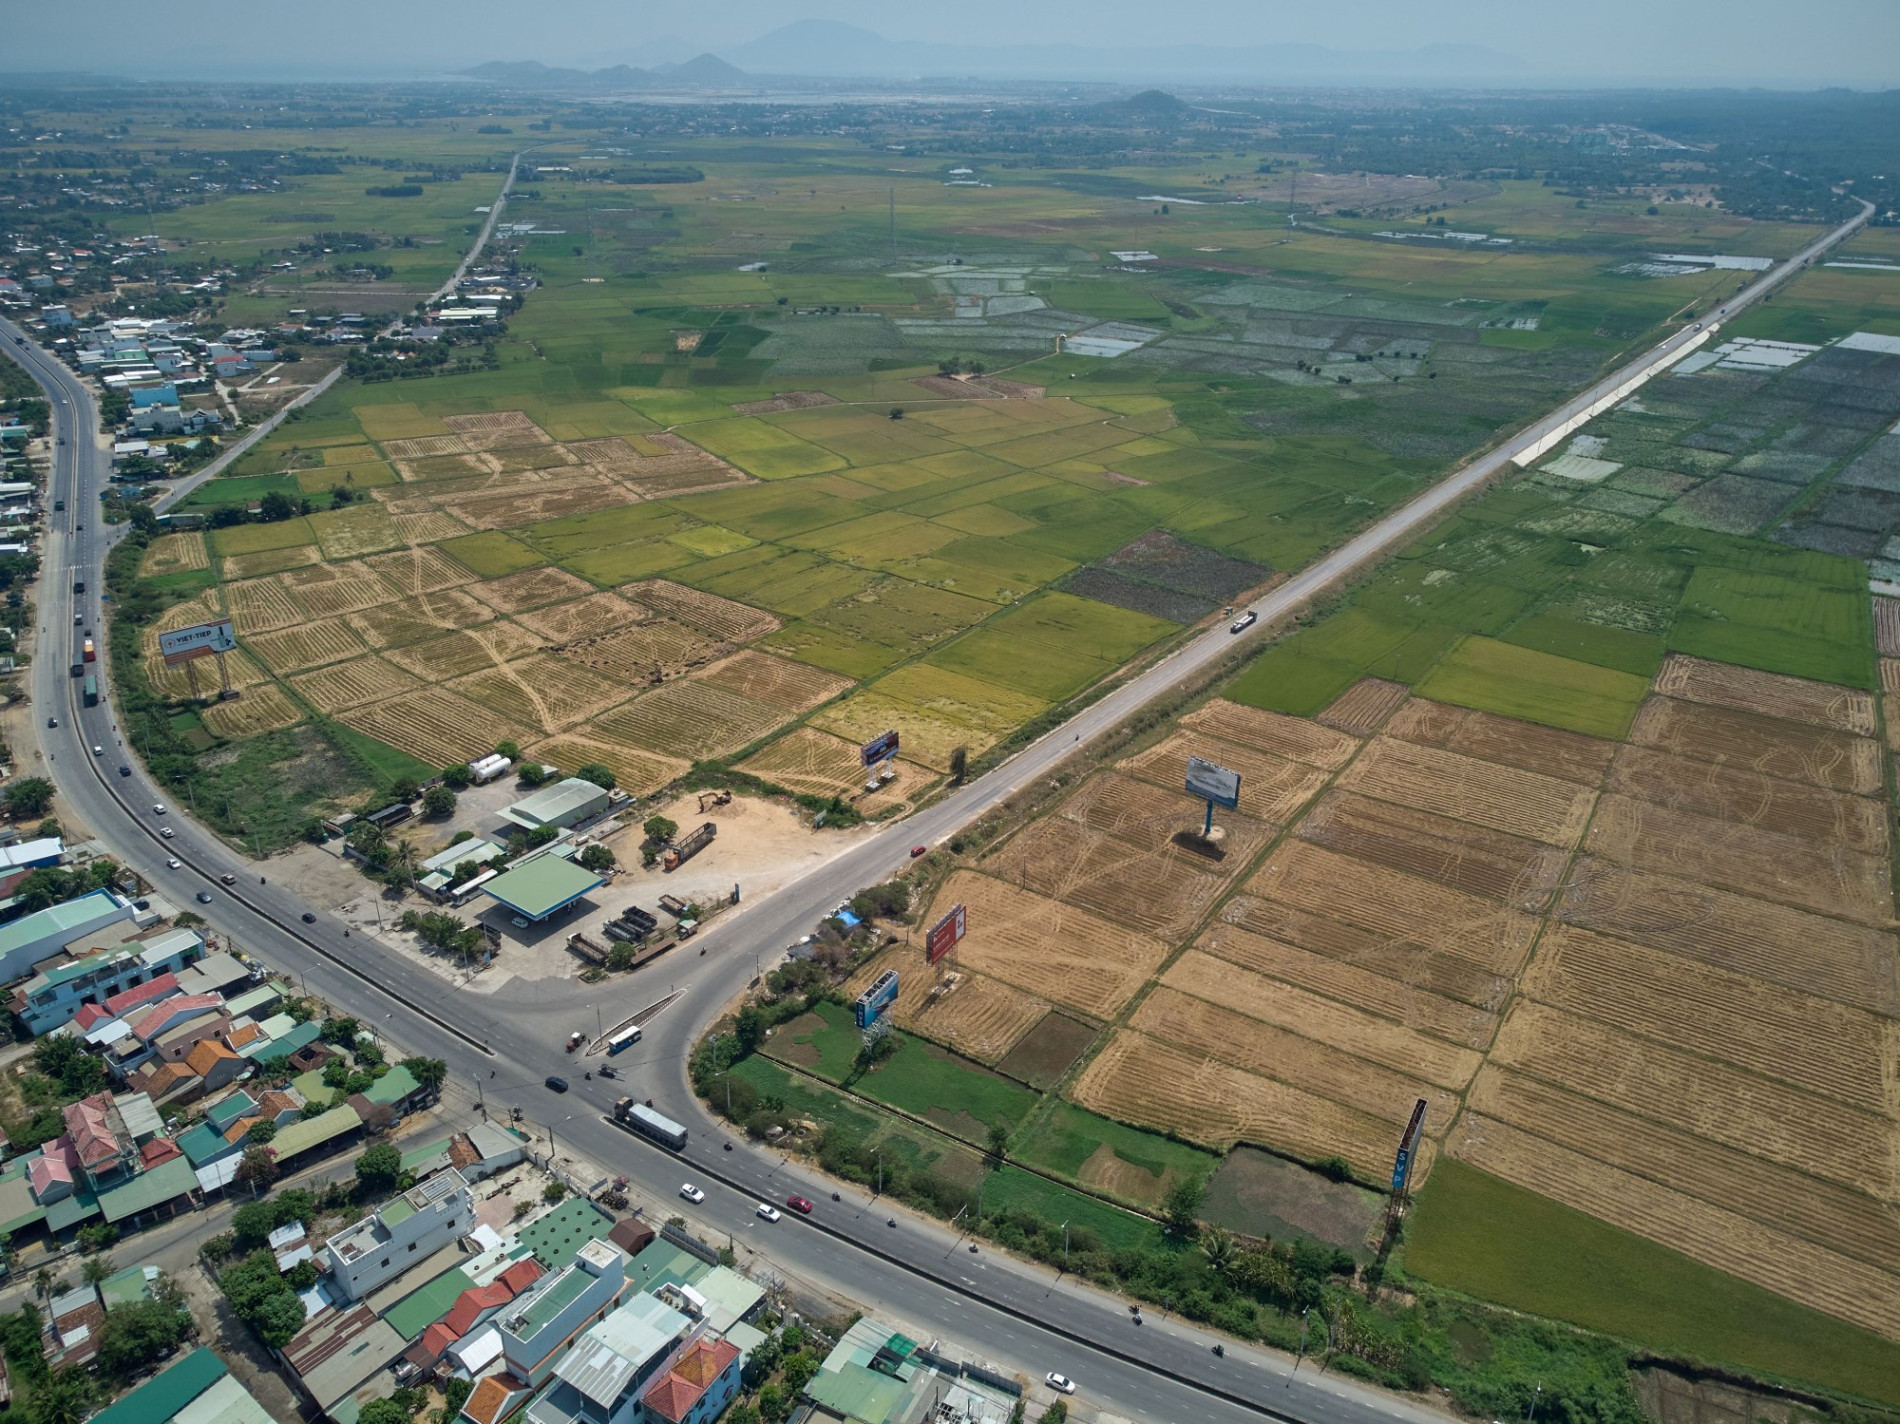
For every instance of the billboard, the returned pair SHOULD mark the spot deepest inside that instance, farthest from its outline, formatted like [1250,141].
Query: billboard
[876,999]
[1213,783]
[880,748]
[1408,1149]
[944,935]
[198,641]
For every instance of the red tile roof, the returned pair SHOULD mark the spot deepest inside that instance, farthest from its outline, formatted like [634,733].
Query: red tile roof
[159,1150]
[87,1126]
[160,1017]
[673,1398]
[88,1015]
[493,1397]
[150,990]
[691,1376]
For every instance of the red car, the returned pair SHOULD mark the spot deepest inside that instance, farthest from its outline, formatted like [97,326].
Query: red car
[916,851]
[799,1204]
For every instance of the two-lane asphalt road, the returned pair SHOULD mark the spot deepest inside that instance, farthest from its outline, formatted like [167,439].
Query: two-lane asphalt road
[1010,1308]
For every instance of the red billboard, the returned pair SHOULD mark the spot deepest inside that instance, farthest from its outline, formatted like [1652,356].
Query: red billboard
[944,935]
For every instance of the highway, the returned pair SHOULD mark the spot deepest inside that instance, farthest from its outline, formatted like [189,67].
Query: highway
[1010,1309]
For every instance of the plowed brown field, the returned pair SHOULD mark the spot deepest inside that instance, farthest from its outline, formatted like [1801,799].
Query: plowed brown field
[1408,963]
[1522,873]
[1302,1062]
[1765,744]
[1844,709]
[1546,750]
[1361,708]
[778,682]
[1272,788]
[1815,1044]
[261,605]
[1403,907]
[1487,793]
[322,641]
[1745,858]
[579,618]
[531,588]
[438,659]
[423,570]
[435,726]
[1151,818]
[1817,955]
[1051,950]
[1141,1080]
[540,692]
[714,616]
[1887,625]
[1274,732]
[643,653]
[688,718]
[1746,797]
[1800,1130]
[1326,1020]
[1350,984]
[410,620]
[329,590]
[1772,1259]
[351,684]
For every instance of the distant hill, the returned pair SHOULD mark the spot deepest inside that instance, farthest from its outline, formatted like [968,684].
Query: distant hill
[705,71]
[1150,105]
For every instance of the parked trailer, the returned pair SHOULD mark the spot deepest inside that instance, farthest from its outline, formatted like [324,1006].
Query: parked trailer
[674,906]
[591,950]
[639,919]
[623,1040]
[691,845]
[638,1117]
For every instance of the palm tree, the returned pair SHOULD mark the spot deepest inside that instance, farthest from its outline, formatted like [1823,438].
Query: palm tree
[43,1283]
[1219,1249]
[61,1398]
[96,1269]
[404,861]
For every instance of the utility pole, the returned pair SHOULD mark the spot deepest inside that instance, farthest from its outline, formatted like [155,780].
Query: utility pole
[1304,1323]
[481,1098]
[893,226]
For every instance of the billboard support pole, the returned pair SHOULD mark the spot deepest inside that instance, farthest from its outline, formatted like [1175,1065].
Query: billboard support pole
[1207,827]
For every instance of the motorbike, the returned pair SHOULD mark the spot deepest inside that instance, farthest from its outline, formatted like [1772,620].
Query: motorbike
[1221,1350]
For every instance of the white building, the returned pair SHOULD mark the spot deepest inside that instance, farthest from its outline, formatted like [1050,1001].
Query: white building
[403,1231]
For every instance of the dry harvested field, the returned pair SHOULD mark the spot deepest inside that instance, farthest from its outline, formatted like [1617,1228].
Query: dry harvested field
[497,430]
[1163,894]
[687,718]
[541,693]
[1714,851]
[1813,1134]
[1851,964]
[1407,963]
[551,495]
[1890,674]
[324,641]
[261,605]
[438,659]
[1362,708]
[1887,626]
[329,590]
[1546,750]
[435,725]
[1774,1259]
[1487,793]
[580,618]
[1522,873]
[263,708]
[1289,1057]
[1144,1081]
[1313,1015]
[1291,737]
[531,588]
[175,554]
[353,531]
[1272,788]
[1045,948]
[979,1017]
[428,527]
[808,761]
[712,615]
[411,620]
[789,686]
[1745,797]
[1402,907]
[786,400]
[268,561]
[637,771]
[1153,819]
[1773,747]
[412,571]
[978,388]
[244,671]
[423,446]
[1380,994]
[351,684]
[1845,709]
[1814,1044]
[648,652]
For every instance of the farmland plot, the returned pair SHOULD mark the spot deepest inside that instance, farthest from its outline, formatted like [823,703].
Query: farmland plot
[542,693]
[1148,817]
[646,653]
[410,620]
[1363,707]
[329,590]
[1550,751]
[792,687]
[1522,873]
[690,719]
[424,570]
[1815,755]
[636,771]
[351,684]
[808,761]
[177,683]
[1292,737]
[175,554]
[717,617]
[307,646]
[979,1017]
[1047,949]
[1743,796]
[269,561]
[1163,894]
[355,530]
[1272,787]
[1843,709]
[261,605]
[263,708]
[1503,798]
[435,725]
[488,645]
[531,588]
[579,618]
[427,527]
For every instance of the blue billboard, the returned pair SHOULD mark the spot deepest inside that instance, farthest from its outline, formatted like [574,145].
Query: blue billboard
[876,999]
[879,748]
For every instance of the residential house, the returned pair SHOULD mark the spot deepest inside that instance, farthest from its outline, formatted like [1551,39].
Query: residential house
[32,938]
[454,1338]
[215,1064]
[702,1382]
[543,1321]
[601,1379]
[197,1389]
[61,987]
[344,1355]
[398,1234]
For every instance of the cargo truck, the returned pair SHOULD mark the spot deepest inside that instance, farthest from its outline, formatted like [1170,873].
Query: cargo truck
[638,1117]
[688,846]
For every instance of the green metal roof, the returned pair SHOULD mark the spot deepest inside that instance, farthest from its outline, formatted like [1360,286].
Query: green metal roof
[299,1036]
[305,1133]
[664,1264]
[70,1211]
[312,1087]
[857,1393]
[541,886]
[204,1143]
[553,1239]
[395,1085]
[549,1303]
[127,1286]
[425,1305]
[149,1189]
[227,1111]
[160,1398]
[53,919]
[416,1156]
[397,1211]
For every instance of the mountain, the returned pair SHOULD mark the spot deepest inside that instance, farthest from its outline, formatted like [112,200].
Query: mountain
[831,49]
[705,71]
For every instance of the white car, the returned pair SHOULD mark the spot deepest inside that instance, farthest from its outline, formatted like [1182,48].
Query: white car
[158,809]
[768,1212]
[692,1193]
[165,831]
[1061,1384]
[172,863]
[1244,622]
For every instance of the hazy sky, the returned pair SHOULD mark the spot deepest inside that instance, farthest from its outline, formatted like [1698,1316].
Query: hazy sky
[1686,41]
